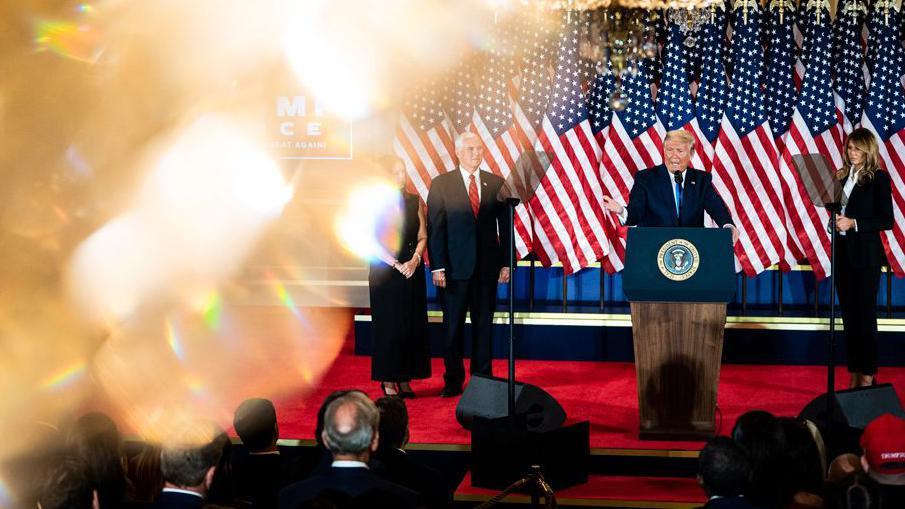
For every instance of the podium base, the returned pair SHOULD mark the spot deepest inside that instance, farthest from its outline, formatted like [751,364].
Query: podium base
[677,434]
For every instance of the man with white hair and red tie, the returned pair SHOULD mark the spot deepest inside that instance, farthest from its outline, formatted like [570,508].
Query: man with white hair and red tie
[468,234]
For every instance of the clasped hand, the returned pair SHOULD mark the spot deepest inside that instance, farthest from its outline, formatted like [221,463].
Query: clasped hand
[843,223]
[407,269]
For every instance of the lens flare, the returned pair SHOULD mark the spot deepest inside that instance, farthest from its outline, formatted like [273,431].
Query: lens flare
[5,498]
[65,377]
[212,310]
[173,340]
[285,298]
[198,214]
[369,224]
[69,40]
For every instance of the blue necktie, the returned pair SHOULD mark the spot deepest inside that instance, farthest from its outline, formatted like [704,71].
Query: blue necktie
[678,198]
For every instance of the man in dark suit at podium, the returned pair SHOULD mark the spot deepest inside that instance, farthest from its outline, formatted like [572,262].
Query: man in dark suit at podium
[672,194]
[468,233]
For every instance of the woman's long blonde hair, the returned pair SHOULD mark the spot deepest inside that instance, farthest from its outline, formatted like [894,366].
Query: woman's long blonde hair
[864,140]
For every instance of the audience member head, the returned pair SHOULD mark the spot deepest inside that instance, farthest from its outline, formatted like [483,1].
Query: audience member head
[255,422]
[883,442]
[724,469]
[803,463]
[68,485]
[761,435]
[394,422]
[188,461]
[844,467]
[145,474]
[351,427]
[319,425]
[95,438]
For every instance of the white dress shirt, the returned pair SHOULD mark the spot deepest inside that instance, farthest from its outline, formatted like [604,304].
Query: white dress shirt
[477,179]
[847,191]
[349,464]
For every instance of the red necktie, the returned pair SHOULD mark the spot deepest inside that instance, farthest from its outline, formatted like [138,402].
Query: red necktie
[473,195]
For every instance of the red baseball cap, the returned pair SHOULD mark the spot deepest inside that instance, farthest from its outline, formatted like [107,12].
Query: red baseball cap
[883,441]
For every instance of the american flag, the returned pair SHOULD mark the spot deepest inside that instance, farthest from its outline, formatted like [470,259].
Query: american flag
[849,59]
[425,137]
[744,159]
[493,123]
[529,108]
[461,101]
[885,115]
[634,142]
[674,107]
[601,117]
[816,128]
[806,22]
[572,217]
[713,89]
[780,91]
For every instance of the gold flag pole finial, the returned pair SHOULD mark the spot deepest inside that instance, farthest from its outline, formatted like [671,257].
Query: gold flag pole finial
[818,6]
[782,6]
[886,5]
[853,7]
[744,5]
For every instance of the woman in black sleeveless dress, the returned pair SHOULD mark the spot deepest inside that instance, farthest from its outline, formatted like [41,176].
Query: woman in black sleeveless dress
[399,301]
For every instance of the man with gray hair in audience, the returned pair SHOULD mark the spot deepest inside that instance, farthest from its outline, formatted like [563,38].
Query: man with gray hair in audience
[351,434]
[188,462]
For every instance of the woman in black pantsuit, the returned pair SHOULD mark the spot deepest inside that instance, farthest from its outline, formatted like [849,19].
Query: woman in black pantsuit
[866,210]
[399,300]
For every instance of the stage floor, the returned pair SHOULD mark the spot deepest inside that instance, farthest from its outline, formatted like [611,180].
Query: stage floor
[604,393]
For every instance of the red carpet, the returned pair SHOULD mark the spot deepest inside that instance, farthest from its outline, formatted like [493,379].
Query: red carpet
[610,491]
[603,393]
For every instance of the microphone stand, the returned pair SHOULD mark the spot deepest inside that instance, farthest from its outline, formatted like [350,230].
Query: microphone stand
[511,382]
[833,209]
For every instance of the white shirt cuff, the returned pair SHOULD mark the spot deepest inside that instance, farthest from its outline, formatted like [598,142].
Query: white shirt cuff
[438,270]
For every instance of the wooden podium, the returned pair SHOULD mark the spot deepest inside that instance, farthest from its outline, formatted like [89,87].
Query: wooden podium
[678,281]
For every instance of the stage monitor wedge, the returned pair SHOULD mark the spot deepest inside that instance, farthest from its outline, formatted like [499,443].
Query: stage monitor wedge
[487,397]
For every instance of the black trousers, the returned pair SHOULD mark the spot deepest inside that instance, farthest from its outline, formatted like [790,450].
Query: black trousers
[478,297]
[857,289]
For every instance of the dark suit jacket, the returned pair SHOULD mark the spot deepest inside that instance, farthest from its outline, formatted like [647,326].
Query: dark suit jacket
[458,242]
[350,481]
[652,202]
[257,478]
[170,500]
[870,204]
[730,503]
[400,468]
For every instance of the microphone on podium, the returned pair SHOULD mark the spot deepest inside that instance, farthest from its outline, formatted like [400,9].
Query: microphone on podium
[677,176]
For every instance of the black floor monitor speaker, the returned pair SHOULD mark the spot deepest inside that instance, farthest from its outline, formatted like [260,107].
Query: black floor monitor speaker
[488,397]
[503,451]
[852,410]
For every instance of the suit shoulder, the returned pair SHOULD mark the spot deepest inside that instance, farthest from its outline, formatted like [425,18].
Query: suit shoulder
[443,177]
[702,175]
[491,177]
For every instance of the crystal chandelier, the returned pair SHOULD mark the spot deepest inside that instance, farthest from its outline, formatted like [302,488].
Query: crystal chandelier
[619,34]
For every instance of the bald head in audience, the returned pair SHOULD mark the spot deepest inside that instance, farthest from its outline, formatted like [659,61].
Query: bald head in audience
[350,427]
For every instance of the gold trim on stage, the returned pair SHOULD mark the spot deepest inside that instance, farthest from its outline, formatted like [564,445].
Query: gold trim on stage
[584,502]
[787,323]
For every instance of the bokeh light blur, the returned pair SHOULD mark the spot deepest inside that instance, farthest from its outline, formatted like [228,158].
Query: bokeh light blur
[370,223]
[160,261]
